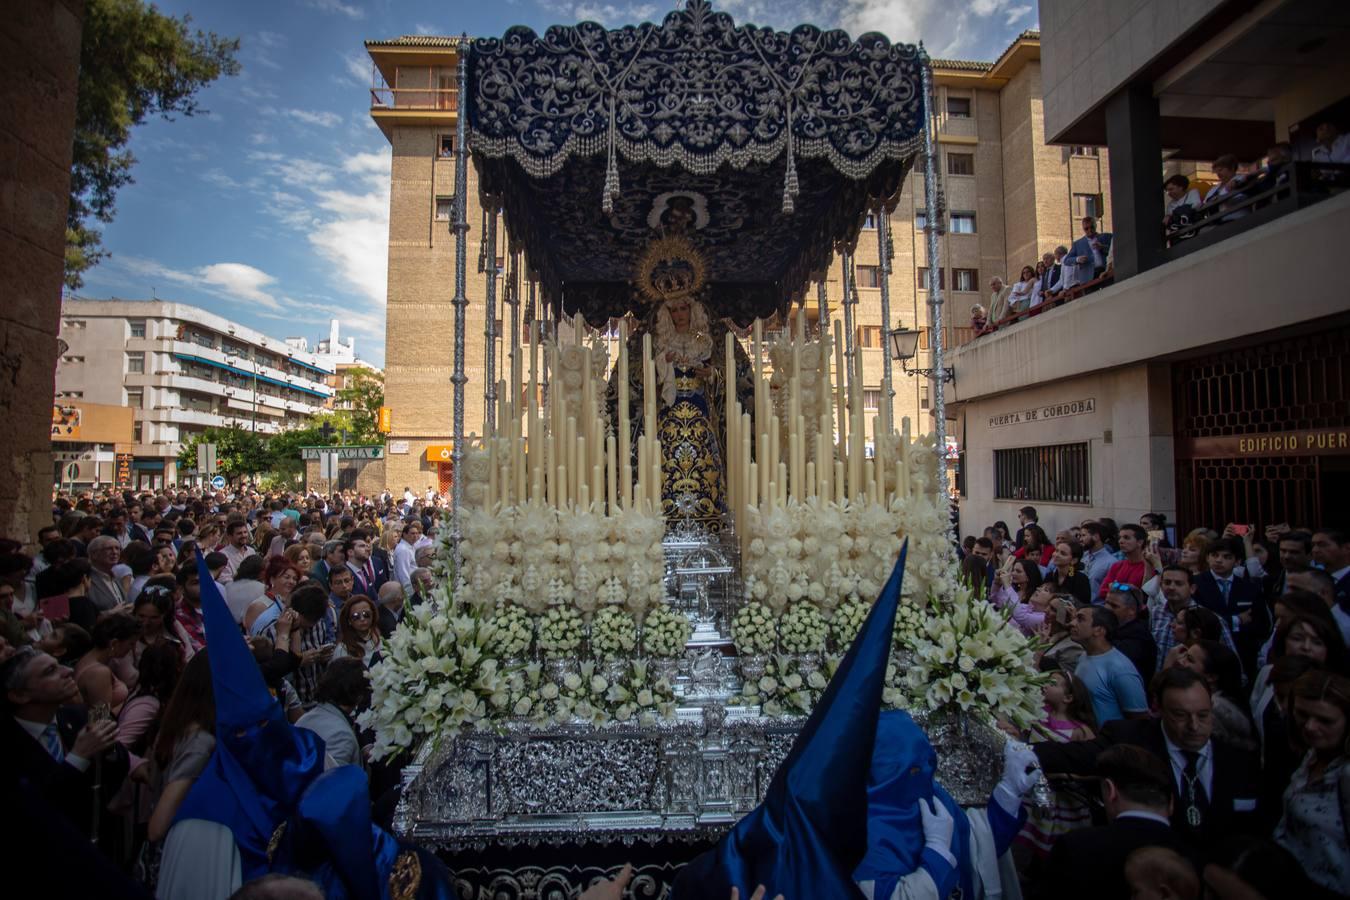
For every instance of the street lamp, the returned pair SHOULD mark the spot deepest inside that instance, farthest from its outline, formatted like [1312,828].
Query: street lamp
[904,344]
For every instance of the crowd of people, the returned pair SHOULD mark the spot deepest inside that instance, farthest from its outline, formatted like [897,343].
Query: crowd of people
[1221,662]
[1196,698]
[1240,187]
[1084,265]
[102,640]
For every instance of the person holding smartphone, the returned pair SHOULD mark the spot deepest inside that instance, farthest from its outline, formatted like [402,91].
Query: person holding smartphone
[313,639]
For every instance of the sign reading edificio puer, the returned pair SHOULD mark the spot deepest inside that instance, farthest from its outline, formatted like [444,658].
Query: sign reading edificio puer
[1047,411]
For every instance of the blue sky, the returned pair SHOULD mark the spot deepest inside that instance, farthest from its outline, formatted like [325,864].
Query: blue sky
[273,209]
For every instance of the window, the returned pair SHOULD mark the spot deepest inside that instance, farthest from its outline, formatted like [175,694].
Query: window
[135,399]
[135,363]
[1085,151]
[963,223]
[137,432]
[960,163]
[869,276]
[1087,205]
[869,336]
[445,147]
[871,398]
[445,208]
[920,221]
[1057,473]
[965,279]
[137,328]
[922,273]
[923,395]
[870,222]
[958,107]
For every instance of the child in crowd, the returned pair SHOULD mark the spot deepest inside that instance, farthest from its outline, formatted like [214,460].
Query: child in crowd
[979,318]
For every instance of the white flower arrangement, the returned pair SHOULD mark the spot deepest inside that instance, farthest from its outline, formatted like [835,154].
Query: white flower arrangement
[613,633]
[640,697]
[514,631]
[847,622]
[802,630]
[437,677]
[559,632]
[590,696]
[909,624]
[967,656]
[753,629]
[665,632]
[783,689]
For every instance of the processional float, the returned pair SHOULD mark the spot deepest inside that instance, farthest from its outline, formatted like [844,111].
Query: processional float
[675,522]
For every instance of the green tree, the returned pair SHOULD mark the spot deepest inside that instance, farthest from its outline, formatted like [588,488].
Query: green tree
[363,395]
[134,62]
[239,451]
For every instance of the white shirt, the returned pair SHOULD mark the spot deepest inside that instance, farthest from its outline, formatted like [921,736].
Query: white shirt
[233,557]
[1191,198]
[1338,152]
[37,730]
[1204,767]
[405,560]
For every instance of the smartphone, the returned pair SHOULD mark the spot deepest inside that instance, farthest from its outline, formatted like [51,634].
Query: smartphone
[1241,530]
[100,712]
[57,607]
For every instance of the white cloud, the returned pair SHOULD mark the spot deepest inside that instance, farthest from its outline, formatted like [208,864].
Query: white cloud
[338,7]
[226,280]
[240,281]
[614,13]
[1015,14]
[423,28]
[358,68]
[322,119]
[263,47]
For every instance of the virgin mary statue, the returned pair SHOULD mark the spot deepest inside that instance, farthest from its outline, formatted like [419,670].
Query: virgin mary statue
[692,385]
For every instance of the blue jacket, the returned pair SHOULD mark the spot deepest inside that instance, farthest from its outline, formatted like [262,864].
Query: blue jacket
[1083,246]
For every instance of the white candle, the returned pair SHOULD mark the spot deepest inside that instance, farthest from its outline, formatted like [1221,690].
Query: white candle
[625,426]
[612,472]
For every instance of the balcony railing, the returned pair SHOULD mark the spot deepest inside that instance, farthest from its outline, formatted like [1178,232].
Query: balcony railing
[1262,198]
[439,99]
[1257,199]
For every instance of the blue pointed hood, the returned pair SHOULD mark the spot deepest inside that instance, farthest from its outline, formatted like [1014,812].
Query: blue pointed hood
[262,764]
[810,832]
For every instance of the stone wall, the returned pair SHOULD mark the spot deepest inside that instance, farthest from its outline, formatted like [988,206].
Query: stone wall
[39,68]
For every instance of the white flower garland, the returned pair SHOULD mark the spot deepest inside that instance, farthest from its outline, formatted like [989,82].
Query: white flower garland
[613,633]
[665,632]
[514,631]
[803,630]
[847,622]
[753,629]
[559,632]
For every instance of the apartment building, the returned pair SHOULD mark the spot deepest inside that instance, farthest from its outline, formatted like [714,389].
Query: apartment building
[1008,198]
[182,370]
[336,355]
[1208,382]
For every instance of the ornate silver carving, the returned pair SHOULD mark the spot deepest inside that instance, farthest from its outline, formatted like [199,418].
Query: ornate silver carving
[931,187]
[461,305]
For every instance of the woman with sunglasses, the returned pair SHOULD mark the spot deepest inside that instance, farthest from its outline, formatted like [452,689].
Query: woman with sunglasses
[358,631]
[1061,651]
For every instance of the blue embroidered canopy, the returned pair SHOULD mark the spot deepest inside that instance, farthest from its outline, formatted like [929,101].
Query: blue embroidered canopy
[772,146]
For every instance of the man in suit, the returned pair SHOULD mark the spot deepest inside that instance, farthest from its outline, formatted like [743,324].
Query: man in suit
[334,557]
[1136,789]
[1239,602]
[371,573]
[52,744]
[392,607]
[1050,274]
[1216,784]
[1089,252]
[1331,550]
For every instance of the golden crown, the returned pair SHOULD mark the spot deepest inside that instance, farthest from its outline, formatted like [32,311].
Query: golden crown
[670,268]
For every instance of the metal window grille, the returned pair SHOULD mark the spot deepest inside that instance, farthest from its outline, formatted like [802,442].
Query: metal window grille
[1057,473]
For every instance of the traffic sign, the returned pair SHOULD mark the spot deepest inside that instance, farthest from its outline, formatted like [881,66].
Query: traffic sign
[72,472]
[206,459]
[218,483]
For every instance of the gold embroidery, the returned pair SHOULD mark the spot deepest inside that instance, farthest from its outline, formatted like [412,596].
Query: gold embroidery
[275,841]
[406,876]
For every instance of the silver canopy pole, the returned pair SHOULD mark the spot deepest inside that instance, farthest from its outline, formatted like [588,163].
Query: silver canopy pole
[460,301]
[931,228]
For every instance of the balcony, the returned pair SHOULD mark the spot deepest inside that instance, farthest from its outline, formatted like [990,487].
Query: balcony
[1277,274]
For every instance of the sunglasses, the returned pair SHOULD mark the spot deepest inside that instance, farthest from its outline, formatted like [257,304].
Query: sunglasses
[360,615]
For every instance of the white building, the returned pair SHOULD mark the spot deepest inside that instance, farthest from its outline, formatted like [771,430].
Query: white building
[183,369]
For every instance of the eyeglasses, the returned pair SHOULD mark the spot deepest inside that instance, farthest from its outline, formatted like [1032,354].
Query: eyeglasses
[360,615]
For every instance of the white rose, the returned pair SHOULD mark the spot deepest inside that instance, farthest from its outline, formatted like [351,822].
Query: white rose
[644,697]
[523,706]
[549,691]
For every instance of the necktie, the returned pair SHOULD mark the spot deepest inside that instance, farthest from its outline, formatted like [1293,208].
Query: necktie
[51,739]
[370,575]
[1194,794]
[1224,588]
